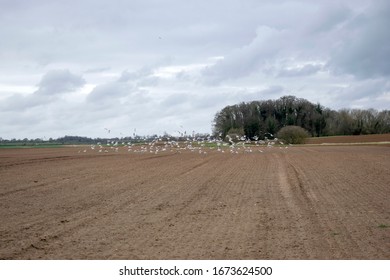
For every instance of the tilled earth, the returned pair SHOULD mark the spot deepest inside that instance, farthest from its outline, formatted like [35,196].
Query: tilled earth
[307,202]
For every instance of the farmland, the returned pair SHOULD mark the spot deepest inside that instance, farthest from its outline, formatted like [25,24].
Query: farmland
[303,202]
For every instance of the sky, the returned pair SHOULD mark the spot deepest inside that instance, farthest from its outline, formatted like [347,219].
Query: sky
[153,67]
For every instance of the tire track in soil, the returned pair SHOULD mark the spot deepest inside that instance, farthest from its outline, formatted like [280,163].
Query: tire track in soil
[348,210]
[294,227]
[317,227]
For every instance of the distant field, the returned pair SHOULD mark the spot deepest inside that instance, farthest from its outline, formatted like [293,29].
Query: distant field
[29,146]
[303,202]
[354,139]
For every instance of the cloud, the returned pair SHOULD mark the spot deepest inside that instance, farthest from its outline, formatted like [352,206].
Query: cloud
[18,102]
[52,85]
[176,99]
[97,70]
[274,89]
[364,49]
[265,93]
[59,81]
[109,92]
[249,58]
[155,65]
[346,39]
[305,70]
[141,78]
[362,93]
[328,17]
[124,91]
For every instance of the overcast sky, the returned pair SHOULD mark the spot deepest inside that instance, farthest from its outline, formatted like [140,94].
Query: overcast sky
[78,67]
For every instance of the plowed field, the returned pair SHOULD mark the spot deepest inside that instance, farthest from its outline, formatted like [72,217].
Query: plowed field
[384,139]
[308,202]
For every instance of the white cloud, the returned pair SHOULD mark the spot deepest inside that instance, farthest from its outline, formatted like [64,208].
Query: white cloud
[304,70]
[52,85]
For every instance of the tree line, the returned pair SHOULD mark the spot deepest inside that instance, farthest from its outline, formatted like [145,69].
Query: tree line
[74,140]
[82,140]
[263,118]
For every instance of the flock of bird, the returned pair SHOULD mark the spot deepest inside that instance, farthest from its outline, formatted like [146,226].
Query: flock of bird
[199,145]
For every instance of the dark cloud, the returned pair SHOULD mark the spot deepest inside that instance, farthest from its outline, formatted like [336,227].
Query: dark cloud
[249,58]
[124,90]
[17,102]
[141,78]
[109,92]
[364,49]
[59,81]
[329,16]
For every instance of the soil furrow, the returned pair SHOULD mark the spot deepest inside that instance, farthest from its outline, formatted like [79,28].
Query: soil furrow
[298,203]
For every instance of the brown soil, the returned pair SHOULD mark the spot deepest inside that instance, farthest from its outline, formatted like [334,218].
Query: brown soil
[308,202]
[373,138]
